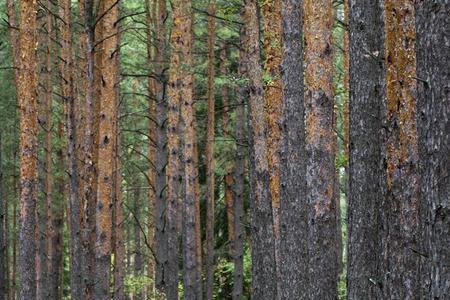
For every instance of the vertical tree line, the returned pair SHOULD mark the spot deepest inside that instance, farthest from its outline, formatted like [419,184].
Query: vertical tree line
[224,150]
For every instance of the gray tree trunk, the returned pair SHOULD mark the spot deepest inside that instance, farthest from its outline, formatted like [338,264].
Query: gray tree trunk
[294,225]
[367,75]
[263,247]
[433,71]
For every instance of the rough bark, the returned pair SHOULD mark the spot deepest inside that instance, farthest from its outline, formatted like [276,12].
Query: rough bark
[238,180]
[273,93]
[320,148]
[183,45]
[367,77]
[180,40]
[210,121]
[151,93]
[49,230]
[400,216]
[70,117]
[107,123]
[293,208]
[263,247]
[89,171]
[433,73]
[118,221]
[161,141]
[26,95]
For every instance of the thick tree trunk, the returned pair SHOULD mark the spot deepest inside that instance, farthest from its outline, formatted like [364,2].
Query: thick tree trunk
[263,244]
[320,148]
[433,73]
[367,84]
[273,105]
[26,95]
[293,209]
[400,216]
[107,123]
[183,45]
[210,122]
[177,81]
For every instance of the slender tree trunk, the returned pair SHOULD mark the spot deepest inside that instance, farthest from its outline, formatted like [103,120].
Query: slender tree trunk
[401,208]
[89,171]
[293,209]
[210,122]
[3,234]
[161,141]
[118,221]
[228,179]
[14,235]
[152,103]
[57,258]
[49,230]
[238,193]
[107,123]
[433,71]
[367,89]
[69,103]
[320,149]
[263,243]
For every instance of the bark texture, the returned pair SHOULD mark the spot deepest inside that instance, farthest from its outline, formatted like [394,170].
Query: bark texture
[238,195]
[401,208]
[367,84]
[210,154]
[191,276]
[70,117]
[320,148]
[107,123]
[26,96]
[433,71]
[263,245]
[273,95]
[161,148]
[293,207]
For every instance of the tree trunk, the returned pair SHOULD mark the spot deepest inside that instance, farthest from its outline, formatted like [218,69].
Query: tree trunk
[210,122]
[320,148]
[3,234]
[118,221]
[401,208]
[367,89]
[263,246]
[237,209]
[107,123]
[26,95]
[273,108]
[152,103]
[433,71]
[161,151]
[89,170]
[183,35]
[293,209]
[49,230]
[67,66]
